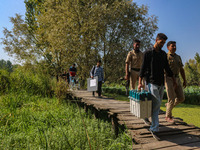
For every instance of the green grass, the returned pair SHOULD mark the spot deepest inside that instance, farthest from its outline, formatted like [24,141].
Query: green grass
[34,122]
[189,113]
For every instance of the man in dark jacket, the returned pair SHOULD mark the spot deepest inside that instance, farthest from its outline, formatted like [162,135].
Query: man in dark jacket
[154,64]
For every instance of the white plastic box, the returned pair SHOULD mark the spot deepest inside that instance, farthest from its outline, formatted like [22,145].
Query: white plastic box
[140,104]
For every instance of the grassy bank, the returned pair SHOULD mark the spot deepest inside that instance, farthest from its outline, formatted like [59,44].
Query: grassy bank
[34,122]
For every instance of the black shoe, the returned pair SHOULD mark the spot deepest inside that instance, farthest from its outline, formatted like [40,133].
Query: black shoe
[99,96]
[146,121]
[155,135]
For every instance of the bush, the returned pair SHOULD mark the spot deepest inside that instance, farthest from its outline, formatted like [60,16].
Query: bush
[31,82]
[4,81]
[61,89]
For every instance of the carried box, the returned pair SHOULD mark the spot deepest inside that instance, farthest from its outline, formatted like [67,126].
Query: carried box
[140,103]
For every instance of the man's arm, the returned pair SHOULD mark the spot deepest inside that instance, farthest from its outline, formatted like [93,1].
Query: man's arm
[102,75]
[140,83]
[169,72]
[143,70]
[127,71]
[91,72]
[182,71]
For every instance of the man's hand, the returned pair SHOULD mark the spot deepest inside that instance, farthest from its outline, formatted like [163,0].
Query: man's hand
[126,77]
[92,77]
[184,83]
[140,86]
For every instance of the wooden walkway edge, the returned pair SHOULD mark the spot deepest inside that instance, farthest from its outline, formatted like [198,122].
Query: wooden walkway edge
[173,136]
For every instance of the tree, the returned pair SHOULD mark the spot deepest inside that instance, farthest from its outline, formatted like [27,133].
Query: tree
[192,70]
[6,65]
[57,33]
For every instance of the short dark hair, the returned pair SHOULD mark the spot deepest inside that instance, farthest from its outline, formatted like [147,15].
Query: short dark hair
[171,42]
[136,41]
[161,36]
[99,61]
[74,64]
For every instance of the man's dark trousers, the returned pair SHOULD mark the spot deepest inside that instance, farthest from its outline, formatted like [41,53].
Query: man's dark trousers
[99,88]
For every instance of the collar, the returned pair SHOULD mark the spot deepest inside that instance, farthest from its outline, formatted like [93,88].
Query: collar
[169,53]
[136,51]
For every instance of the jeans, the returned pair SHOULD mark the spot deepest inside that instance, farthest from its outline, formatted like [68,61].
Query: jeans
[157,95]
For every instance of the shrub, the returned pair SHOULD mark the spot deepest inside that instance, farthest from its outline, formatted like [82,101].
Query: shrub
[61,89]
[4,81]
[31,82]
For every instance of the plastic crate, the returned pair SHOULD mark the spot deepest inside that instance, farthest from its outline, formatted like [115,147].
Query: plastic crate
[140,103]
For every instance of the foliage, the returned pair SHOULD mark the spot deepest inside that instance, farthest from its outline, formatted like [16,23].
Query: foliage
[192,95]
[4,81]
[33,122]
[31,82]
[192,71]
[61,89]
[6,65]
[57,33]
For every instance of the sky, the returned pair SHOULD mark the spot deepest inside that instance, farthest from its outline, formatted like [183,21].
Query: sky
[178,19]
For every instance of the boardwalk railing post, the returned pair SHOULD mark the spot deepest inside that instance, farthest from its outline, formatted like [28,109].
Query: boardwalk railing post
[86,108]
[114,122]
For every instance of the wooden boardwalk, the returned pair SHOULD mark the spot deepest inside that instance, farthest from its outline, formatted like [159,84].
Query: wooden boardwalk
[173,136]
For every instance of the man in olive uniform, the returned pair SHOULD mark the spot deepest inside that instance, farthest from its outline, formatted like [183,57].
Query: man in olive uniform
[133,64]
[175,96]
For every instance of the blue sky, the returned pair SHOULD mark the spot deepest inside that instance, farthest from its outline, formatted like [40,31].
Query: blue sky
[8,8]
[178,19]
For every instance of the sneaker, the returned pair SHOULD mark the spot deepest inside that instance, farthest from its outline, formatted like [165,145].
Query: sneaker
[155,135]
[99,96]
[169,119]
[146,121]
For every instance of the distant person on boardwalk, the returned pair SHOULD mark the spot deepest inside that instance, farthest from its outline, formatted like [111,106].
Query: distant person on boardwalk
[98,71]
[154,64]
[175,96]
[133,64]
[72,72]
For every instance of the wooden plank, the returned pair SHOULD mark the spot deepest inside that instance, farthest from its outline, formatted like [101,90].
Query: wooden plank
[184,147]
[173,138]
[176,141]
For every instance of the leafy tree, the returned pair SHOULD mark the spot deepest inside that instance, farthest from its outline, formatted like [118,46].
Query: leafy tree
[57,33]
[6,65]
[192,70]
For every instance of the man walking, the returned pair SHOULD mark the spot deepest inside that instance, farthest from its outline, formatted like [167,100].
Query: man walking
[175,96]
[153,66]
[98,71]
[133,64]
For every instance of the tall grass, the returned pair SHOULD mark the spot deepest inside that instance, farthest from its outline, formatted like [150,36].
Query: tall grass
[33,122]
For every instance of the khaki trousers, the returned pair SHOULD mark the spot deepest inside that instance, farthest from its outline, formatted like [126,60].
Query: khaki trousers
[175,96]
[133,78]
